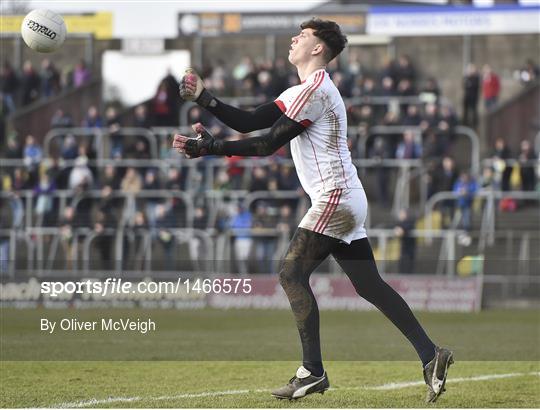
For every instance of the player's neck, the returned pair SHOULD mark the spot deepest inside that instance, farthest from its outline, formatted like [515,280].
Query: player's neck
[304,71]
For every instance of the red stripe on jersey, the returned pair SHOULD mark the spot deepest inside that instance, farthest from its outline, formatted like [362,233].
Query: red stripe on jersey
[300,96]
[322,217]
[305,100]
[280,105]
[306,123]
[331,211]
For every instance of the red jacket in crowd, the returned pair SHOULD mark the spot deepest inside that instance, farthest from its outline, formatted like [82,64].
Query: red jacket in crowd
[491,86]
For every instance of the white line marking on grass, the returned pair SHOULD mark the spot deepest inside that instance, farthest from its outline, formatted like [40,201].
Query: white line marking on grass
[394,386]
[109,400]
[388,386]
[95,402]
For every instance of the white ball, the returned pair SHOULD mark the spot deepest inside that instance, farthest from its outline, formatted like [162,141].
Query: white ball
[43,31]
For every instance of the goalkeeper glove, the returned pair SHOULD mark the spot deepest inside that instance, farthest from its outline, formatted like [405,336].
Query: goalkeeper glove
[192,89]
[204,144]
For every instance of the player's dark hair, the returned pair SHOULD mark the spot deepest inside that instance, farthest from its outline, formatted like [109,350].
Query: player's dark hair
[329,32]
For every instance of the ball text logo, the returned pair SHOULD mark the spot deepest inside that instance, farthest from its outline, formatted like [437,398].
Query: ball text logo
[39,28]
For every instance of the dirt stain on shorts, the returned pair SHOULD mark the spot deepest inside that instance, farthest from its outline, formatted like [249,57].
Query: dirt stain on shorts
[342,222]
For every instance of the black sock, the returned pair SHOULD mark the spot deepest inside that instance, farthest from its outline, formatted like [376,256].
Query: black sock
[316,368]
[422,344]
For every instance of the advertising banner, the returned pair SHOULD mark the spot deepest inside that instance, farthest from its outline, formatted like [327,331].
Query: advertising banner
[216,24]
[449,21]
[430,293]
[99,24]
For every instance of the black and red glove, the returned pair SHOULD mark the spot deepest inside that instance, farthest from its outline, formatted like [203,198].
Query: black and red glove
[203,144]
[192,89]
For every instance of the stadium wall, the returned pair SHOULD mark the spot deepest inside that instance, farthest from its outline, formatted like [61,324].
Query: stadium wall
[443,58]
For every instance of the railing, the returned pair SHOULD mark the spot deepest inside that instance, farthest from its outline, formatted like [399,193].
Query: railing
[62,132]
[487,230]
[101,135]
[447,253]
[488,220]
[216,254]
[475,147]
[511,162]
[65,195]
[80,242]
[181,235]
[407,170]
[139,132]
[400,129]
[17,208]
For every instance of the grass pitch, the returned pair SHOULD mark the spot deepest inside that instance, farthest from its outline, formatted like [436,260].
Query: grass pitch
[207,358]
[247,384]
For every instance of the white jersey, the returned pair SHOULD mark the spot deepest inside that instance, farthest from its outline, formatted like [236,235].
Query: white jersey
[320,153]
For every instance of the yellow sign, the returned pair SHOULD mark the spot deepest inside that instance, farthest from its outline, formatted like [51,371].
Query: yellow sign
[98,24]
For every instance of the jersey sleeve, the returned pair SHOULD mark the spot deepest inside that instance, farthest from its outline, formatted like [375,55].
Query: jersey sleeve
[305,105]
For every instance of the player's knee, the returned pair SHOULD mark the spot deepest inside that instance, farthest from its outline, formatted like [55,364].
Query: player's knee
[288,276]
[372,292]
[285,277]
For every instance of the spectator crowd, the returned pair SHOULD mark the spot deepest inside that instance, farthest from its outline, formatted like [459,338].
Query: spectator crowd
[32,84]
[70,164]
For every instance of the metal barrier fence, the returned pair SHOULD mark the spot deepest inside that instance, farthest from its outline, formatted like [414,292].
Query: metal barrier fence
[511,162]
[156,134]
[487,230]
[65,196]
[400,129]
[406,170]
[218,245]
[51,251]
[102,138]
[159,139]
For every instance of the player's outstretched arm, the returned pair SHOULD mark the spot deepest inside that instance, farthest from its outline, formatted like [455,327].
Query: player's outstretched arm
[281,132]
[192,89]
